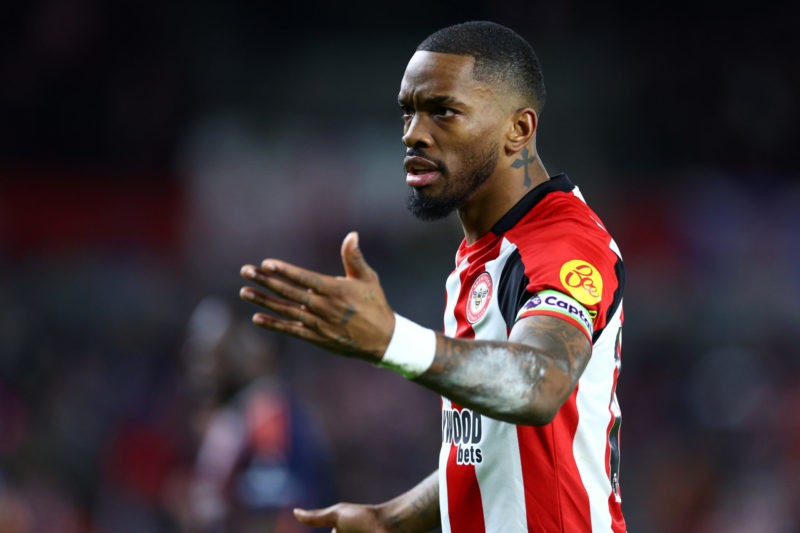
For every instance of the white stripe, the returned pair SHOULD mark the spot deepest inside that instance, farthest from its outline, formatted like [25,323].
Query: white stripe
[453,286]
[614,248]
[500,478]
[577,192]
[500,473]
[593,403]
[493,325]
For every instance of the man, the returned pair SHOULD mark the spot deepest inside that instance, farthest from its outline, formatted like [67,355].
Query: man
[529,357]
[258,452]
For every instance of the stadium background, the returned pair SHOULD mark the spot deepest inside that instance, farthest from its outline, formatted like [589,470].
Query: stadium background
[148,150]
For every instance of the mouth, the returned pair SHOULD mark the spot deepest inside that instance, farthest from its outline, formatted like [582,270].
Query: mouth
[420,172]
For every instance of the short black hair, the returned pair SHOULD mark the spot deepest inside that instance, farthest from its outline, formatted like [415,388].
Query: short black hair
[501,56]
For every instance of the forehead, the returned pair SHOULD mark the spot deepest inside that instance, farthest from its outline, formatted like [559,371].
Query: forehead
[441,74]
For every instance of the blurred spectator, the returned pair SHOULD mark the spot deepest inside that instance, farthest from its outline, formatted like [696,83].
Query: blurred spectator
[260,452]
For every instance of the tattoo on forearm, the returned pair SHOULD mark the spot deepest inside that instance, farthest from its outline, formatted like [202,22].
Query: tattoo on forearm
[504,380]
[524,161]
[426,502]
[421,513]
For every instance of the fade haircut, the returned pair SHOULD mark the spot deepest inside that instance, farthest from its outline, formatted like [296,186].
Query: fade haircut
[501,56]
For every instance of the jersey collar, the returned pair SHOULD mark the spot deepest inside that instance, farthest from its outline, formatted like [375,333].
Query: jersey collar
[559,182]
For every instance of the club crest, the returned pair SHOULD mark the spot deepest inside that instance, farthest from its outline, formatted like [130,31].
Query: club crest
[479,297]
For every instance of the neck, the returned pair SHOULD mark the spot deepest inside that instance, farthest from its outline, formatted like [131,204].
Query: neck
[499,194]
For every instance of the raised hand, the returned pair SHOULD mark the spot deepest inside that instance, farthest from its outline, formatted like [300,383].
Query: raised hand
[346,314]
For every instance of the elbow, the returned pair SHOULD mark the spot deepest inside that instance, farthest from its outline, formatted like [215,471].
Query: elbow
[540,416]
[528,417]
[544,401]
[542,410]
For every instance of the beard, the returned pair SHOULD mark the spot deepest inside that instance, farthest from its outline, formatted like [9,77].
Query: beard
[457,190]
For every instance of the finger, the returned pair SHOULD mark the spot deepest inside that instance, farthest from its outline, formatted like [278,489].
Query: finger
[316,517]
[294,328]
[307,279]
[284,308]
[355,266]
[261,276]
[280,286]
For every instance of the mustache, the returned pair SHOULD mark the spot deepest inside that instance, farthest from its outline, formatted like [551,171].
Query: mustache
[416,152]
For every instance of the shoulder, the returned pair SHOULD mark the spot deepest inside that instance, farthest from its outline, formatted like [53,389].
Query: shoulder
[560,226]
[564,246]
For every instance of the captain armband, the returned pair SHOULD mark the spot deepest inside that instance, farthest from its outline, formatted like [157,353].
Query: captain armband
[558,304]
[411,349]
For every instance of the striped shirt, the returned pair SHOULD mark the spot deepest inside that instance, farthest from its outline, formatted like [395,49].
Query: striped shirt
[550,254]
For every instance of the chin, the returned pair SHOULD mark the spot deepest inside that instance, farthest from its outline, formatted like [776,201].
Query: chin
[425,207]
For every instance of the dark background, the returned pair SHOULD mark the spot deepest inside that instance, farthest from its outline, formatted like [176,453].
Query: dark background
[149,150]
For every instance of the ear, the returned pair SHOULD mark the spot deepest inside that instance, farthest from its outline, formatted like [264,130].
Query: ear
[522,129]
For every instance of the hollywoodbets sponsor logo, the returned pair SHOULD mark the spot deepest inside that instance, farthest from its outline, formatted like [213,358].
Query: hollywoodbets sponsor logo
[464,429]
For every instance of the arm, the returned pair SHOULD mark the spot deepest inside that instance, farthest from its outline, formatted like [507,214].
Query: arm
[524,380]
[412,511]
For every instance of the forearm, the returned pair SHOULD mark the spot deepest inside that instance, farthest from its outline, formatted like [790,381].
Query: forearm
[524,380]
[501,380]
[416,510]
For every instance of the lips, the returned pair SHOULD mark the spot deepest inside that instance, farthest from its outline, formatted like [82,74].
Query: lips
[420,171]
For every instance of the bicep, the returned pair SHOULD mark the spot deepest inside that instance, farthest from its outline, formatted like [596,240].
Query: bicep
[563,342]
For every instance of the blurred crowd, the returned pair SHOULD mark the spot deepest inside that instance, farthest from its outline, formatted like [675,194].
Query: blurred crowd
[147,151]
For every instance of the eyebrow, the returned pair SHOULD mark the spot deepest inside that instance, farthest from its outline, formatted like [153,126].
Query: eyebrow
[440,100]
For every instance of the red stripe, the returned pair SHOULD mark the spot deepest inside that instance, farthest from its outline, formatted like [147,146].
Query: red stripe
[464,500]
[464,503]
[574,499]
[537,458]
[555,499]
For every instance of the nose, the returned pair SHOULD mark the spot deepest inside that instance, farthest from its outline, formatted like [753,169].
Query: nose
[416,134]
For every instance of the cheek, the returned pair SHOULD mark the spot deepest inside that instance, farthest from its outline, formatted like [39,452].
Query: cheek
[471,146]
[475,152]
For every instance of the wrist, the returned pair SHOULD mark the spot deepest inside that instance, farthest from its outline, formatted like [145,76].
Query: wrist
[411,349]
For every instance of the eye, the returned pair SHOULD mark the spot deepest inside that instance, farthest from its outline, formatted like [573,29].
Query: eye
[445,112]
[407,112]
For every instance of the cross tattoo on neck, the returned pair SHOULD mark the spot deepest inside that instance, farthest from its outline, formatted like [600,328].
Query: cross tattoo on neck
[525,161]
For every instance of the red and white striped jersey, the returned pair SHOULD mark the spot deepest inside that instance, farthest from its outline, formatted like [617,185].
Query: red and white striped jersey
[550,254]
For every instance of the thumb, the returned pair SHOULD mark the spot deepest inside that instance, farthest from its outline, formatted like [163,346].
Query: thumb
[316,517]
[355,266]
